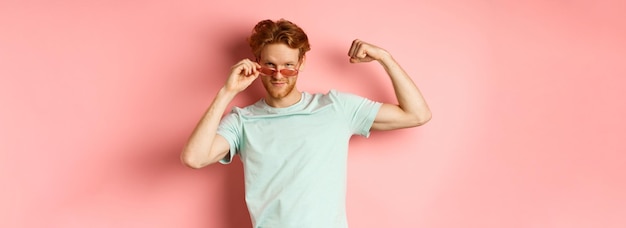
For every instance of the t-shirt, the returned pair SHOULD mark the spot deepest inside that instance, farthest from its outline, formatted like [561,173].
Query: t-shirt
[295,158]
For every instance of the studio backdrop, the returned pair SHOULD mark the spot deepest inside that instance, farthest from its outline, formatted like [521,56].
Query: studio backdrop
[98,98]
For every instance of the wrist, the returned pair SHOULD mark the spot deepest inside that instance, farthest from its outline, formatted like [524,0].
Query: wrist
[385,58]
[226,92]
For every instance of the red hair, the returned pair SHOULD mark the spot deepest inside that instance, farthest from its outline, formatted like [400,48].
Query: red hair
[282,31]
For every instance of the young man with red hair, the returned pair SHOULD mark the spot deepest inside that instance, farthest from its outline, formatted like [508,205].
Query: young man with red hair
[294,144]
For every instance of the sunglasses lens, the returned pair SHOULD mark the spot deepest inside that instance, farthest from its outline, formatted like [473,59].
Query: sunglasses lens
[289,72]
[267,71]
[271,72]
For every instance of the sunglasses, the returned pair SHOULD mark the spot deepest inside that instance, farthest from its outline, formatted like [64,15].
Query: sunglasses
[271,72]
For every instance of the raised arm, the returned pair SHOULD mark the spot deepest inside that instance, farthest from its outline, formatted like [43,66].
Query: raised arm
[205,146]
[411,110]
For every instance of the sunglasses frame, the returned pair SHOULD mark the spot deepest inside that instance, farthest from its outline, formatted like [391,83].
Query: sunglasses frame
[287,72]
[266,71]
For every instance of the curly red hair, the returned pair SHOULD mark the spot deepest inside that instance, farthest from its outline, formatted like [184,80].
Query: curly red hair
[282,31]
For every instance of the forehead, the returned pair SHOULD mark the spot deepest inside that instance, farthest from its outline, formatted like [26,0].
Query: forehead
[279,53]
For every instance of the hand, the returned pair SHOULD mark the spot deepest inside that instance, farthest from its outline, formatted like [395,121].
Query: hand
[242,75]
[364,52]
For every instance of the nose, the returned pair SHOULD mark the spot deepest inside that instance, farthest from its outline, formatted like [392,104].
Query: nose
[278,74]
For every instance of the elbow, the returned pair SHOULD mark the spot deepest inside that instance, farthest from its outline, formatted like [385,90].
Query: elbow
[193,165]
[190,161]
[421,119]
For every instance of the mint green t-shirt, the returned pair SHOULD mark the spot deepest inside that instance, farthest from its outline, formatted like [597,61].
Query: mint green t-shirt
[295,158]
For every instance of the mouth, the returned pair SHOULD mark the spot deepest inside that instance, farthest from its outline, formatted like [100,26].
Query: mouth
[279,83]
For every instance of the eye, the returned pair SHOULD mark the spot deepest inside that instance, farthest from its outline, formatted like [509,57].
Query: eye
[270,65]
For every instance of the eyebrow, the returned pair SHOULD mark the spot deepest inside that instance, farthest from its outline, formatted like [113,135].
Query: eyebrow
[271,62]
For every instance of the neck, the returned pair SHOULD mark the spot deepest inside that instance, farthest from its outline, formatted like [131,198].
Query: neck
[292,98]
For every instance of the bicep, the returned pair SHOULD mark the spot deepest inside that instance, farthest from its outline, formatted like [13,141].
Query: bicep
[390,117]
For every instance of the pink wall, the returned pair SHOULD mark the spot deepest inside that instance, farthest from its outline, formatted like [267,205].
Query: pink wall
[98,99]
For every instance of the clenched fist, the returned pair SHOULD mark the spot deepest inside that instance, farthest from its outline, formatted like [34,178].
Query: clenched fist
[361,51]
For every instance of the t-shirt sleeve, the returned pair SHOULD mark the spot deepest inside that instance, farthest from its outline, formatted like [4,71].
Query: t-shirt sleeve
[230,129]
[360,112]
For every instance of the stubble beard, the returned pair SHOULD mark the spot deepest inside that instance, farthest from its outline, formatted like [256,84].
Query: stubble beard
[278,93]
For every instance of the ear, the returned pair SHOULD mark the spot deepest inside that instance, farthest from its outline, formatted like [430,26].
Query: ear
[302,63]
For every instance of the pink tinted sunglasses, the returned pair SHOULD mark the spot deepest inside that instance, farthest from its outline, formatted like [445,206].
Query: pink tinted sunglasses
[265,71]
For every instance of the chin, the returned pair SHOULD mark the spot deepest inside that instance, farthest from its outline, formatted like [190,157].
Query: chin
[277,95]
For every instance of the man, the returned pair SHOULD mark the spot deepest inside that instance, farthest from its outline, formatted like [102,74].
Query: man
[293,144]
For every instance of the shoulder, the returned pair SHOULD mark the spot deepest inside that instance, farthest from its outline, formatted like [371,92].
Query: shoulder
[336,94]
[345,97]
[331,97]
[252,109]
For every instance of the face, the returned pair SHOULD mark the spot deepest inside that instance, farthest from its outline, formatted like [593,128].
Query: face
[278,57]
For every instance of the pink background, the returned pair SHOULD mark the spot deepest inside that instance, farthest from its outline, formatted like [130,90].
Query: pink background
[528,129]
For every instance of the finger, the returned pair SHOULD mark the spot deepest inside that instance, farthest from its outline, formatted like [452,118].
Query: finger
[350,50]
[243,61]
[239,65]
[358,53]
[252,68]
[256,75]
[251,77]
[257,67]
[242,68]
[356,60]
[248,69]
[357,49]
[238,68]
[245,69]
[353,48]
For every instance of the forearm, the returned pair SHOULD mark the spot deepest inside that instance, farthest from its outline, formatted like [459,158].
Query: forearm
[200,150]
[409,97]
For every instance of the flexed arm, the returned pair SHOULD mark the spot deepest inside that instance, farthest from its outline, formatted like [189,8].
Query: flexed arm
[411,110]
[205,146]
